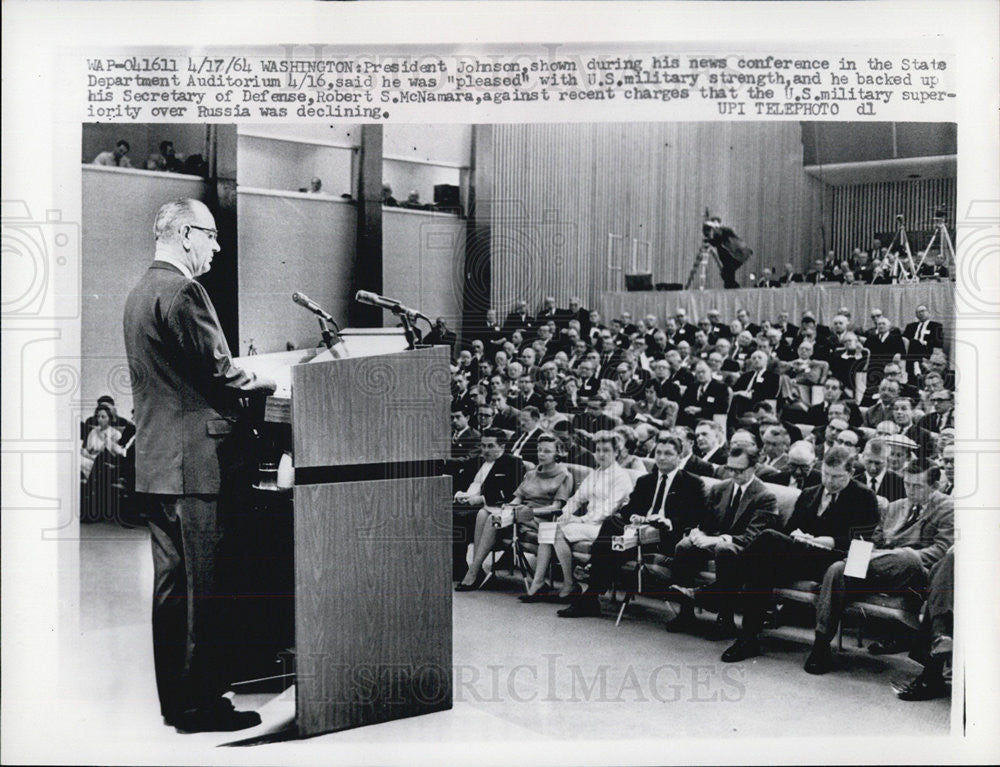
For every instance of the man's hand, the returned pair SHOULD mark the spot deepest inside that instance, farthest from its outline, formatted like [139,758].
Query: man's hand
[692,410]
[636,519]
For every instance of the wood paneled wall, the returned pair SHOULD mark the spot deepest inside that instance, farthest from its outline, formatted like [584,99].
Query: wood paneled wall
[560,189]
[861,211]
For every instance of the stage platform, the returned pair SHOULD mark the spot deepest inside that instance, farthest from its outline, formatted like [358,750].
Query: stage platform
[897,302]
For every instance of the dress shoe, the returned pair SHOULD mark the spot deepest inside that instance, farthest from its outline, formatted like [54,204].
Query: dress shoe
[219,718]
[685,621]
[820,659]
[889,646]
[923,688]
[583,607]
[741,649]
[542,595]
[723,628]
[569,598]
[472,586]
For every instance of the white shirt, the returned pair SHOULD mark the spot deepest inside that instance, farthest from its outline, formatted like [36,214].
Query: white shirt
[669,480]
[604,490]
[477,481]
[878,480]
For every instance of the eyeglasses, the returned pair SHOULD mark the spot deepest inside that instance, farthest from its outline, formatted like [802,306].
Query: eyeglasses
[213,234]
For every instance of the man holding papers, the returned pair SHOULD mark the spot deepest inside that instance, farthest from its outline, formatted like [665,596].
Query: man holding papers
[913,536]
[825,520]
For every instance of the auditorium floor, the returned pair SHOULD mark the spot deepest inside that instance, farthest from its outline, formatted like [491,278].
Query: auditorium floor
[522,674]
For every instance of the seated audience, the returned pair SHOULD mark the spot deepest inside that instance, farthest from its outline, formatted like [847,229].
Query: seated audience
[689,462]
[669,499]
[825,520]
[550,413]
[625,456]
[115,158]
[543,492]
[524,444]
[704,398]
[571,451]
[910,540]
[710,439]
[598,496]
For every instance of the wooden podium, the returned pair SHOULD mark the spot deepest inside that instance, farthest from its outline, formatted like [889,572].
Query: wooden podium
[372,538]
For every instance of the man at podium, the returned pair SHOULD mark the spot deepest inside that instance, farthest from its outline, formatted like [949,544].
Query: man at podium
[189,462]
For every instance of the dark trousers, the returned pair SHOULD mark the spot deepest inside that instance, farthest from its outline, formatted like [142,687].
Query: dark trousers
[689,560]
[190,610]
[773,559]
[727,268]
[938,618]
[605,563]
[463,531]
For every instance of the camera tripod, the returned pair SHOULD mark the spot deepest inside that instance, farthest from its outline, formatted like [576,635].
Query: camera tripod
[903,241]
[700,266]
[945,245]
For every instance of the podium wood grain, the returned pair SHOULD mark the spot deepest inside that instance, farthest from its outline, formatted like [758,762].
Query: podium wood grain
[384,409]
[373,602]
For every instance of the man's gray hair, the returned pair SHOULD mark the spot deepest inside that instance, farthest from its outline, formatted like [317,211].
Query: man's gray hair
[172,216]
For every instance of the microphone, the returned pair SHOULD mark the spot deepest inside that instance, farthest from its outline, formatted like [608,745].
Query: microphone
[391,304]
[307,303]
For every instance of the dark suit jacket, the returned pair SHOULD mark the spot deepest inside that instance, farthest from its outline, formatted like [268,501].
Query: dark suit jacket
[699,467]
[928,422]
[500,483]
[882,352]
[515,321]
[720,456]
[817,414]
[852,515]
[758,511]
[715,401]
[933,338]
[186,388]
[890,488]
[765,388]
[529,452]
[845,367]
[685,503]
[465,444]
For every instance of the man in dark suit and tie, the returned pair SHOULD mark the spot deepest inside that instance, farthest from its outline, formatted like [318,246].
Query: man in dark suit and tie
[885,347]
[190,463]
[710,439]
[685,330]
[519,319]
[504,416]
[704,398]
[876,474]
[690,462]
[740,508]
[924,335]
[524,445]
[669,499]
[610,354]
[943,416]
[911,539]
[754,385]
[464,439]
[549,311]
[833,392]
[825,520]
[488,481]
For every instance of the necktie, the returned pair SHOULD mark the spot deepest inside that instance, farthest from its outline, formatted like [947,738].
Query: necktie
[660,490]
[730,515]
[519,444]
[873,483]
[826,502]
[701,391]
[912,516]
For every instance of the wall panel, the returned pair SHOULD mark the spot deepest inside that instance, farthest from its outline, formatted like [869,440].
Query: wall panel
[561,189]
[291,242]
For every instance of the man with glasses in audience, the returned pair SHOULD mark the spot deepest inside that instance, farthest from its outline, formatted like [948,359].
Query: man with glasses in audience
[825,520]
[943,416]
[947,461]
[740,508]
[911,538]
[800,473]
